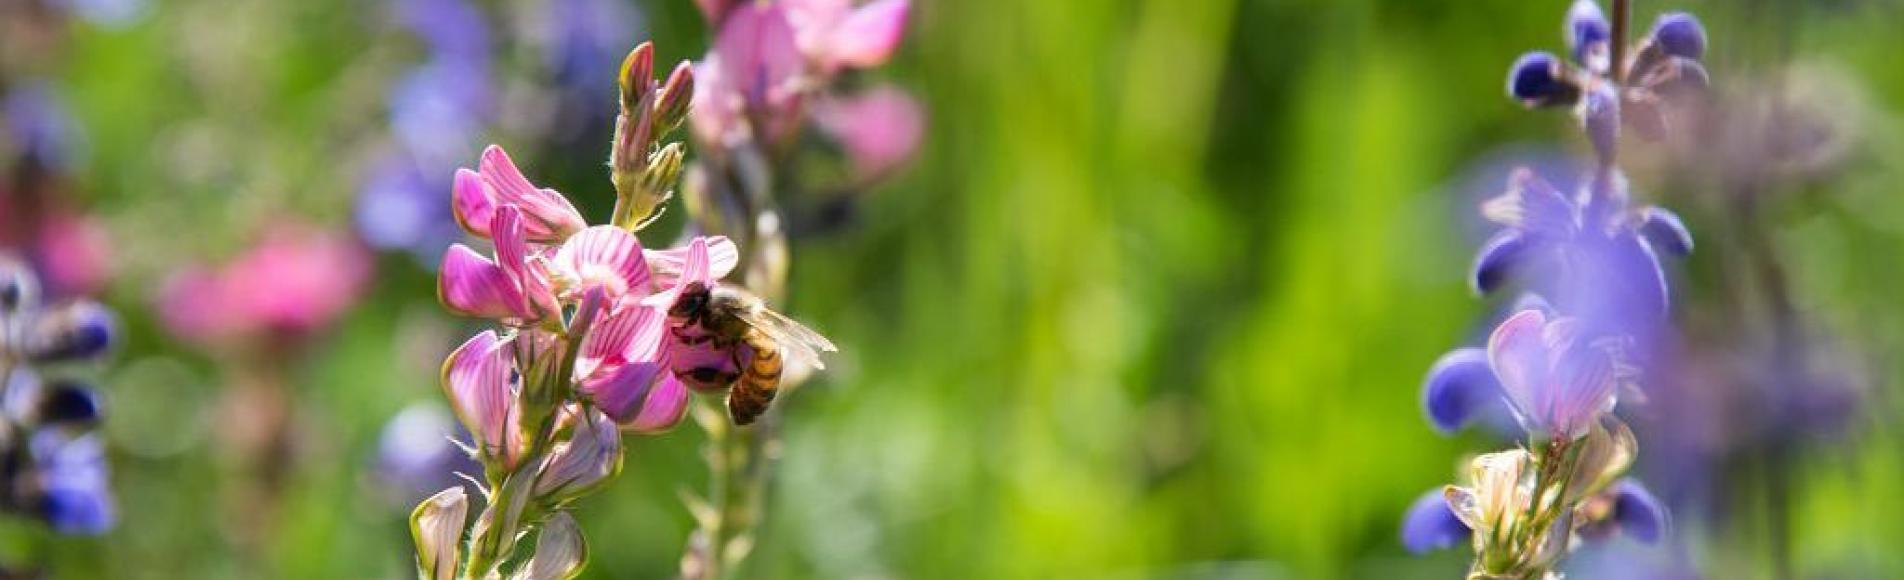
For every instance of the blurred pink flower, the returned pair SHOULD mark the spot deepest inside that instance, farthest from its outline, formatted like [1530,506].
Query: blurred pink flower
[768,55]
[295,281]
[879,129]
[74,253]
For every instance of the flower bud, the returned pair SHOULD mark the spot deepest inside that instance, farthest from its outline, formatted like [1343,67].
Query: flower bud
[80,330]
[637,76]
[68,402]
[1538,79]
[1430,525]
[437,527]
[1680,34]
[1638,513]
[677,94]
[1588,35]
[591,457]
[1664,231]
[560,552]
[18,287]
[1496,261]
[1458,388]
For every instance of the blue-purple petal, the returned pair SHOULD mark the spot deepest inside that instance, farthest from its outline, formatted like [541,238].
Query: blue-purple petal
[1587,28]
[1680,34]
[1459,386]
[1664,231]
[1430,525]
[1496,260]
[1638,513]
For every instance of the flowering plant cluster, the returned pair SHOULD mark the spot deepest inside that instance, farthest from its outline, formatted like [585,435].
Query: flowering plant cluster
[55,465]
[1595,304]
[598,336]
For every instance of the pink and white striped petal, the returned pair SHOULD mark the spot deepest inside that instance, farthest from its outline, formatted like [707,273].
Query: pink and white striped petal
[476,379]
[512,255]
[722,257]
[471,203]
[630,334]
[605,257]
[549,217]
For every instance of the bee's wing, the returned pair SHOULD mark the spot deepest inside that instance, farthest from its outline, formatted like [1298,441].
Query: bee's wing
[798,344]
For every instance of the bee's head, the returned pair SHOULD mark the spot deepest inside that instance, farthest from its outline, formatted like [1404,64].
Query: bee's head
[690,304]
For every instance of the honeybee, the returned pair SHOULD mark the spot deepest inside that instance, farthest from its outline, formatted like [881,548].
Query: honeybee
[722,319]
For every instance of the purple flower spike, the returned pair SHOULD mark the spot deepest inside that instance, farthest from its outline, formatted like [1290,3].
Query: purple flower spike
[1588,34]
[1458,387]
[1429,525]
[1663,229]
[1680,34]
[1638,513]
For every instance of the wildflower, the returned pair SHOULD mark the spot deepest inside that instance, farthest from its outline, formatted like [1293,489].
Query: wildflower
[416,455]
[481,382]
[768,55]
[507,288]
[547,216]
[295,281]
[1555,382]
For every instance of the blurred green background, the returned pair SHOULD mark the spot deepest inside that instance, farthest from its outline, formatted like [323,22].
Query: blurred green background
[1155,299]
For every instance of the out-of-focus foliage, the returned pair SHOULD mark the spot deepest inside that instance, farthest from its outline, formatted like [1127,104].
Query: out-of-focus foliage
[1155,300]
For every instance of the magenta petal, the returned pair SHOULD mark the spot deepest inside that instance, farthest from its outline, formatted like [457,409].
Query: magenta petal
[512,255]
[476,380]
[471,204]
[549,217]
[663,409]
[622,390]
[605,257]
[695,267]
[630,334]
[471,285]
[867,36]
[1518,352]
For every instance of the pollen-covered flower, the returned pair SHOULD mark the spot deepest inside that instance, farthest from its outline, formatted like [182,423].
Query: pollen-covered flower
[1556,382]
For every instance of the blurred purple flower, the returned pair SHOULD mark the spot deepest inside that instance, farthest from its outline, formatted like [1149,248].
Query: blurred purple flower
[39,125]
[415,455]
[75,494]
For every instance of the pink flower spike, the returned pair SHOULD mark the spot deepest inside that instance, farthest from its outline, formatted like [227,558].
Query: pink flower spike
[722,257]
[549,217]
[476,379]
[471,285]
[880,129]
[192,305]
[471,204]
[663,409]
[867,37]
[605,257]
